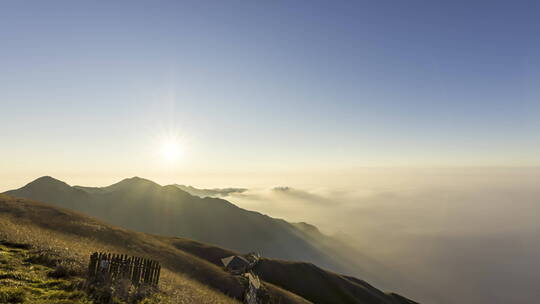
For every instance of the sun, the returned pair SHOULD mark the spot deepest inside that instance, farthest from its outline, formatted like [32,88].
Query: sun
[170,150]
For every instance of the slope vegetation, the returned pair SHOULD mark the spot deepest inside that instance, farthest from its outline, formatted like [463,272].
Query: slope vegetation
[191,267]
[145,206]
[186,278]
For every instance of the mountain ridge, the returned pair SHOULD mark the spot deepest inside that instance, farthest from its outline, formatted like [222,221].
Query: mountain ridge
[182,256]
[132,189]
[142,205]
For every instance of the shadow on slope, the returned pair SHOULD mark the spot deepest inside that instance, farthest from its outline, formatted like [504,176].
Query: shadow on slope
[200,262]
[145,206]
[81,235]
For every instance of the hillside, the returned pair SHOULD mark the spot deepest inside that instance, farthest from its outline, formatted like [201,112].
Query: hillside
[301,278]
[24,279]
[74,237]
[145,206]
[189,266]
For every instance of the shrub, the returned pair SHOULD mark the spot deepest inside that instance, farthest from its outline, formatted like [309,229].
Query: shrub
[44,257]
[65,269]
[15,245]
[12,295]
[142,292]
[100,293]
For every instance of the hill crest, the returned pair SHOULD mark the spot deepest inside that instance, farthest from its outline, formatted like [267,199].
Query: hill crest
[82,234]
[142,205]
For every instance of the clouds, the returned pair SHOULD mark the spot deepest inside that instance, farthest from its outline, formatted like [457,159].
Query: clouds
[455,238]
[215,192]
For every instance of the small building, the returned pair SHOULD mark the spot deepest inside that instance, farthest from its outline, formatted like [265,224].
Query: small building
[236,264]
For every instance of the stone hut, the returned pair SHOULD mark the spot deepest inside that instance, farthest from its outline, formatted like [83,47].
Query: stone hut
[236,264]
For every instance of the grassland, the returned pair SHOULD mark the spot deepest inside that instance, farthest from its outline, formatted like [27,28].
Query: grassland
[24,278]
[71,237]
[50,270]
[63,240]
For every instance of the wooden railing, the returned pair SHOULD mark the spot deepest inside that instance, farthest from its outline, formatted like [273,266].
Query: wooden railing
[120,266]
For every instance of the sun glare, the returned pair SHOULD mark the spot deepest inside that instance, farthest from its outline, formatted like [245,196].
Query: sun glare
[170,150]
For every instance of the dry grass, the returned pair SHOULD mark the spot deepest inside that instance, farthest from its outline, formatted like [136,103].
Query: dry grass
[181,289]
[72,237]
[22,280]
[68,255]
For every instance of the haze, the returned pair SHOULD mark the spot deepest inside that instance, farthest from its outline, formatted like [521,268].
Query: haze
[442,236]
[409,129]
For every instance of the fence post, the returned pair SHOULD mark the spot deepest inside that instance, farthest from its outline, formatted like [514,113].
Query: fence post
[145,275]
[109,265]
[92,265]
[129,274]
[152,270]
[113,266]
[157,275]
[134,270]
[137,270]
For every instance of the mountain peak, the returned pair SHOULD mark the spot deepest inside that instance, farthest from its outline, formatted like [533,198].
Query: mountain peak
[44,184]
[138,180]
[134,182]
[307,227]
[47,178]
[48,181]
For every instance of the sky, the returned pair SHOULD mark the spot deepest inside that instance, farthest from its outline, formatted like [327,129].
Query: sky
[410,126]
[258,90]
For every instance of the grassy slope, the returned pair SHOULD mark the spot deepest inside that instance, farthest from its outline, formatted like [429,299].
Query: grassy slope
[188,262]
[304,279]
[142,205]
[24,280]
[185,279]
[145,206]
[322,286]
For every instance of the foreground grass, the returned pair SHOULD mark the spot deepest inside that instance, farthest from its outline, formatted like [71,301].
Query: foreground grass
[22,281]
[71,237]
[24,278]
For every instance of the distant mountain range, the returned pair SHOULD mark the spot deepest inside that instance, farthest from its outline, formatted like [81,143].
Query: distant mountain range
[297,282]
[145,206]
[142,205]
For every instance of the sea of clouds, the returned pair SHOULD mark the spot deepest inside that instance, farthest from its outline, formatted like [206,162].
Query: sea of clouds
[453,236]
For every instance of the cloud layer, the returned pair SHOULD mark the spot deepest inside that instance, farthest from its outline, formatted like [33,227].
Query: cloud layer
[458,238]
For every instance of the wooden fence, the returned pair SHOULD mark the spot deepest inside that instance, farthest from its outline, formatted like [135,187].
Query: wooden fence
[120,266]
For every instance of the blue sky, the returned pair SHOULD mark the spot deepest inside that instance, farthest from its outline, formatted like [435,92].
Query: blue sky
[269,84]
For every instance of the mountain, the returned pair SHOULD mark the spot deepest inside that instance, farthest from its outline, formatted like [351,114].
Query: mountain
[142,205]
[189,266]
[73,236]
[215,192]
